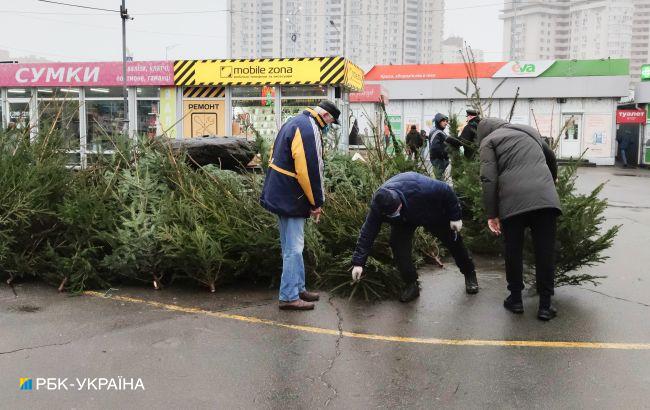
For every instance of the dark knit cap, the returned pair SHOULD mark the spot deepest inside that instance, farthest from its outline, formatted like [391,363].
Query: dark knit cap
[386,201]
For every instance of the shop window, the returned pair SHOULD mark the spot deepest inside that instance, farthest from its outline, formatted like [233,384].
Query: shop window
[18,115]
[294,106]
[105,123]
[60,116]
[104,92]
[253,92]
[304,91]
[253,115]
[147,111]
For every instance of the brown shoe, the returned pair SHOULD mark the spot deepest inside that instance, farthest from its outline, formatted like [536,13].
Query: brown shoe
[308,296]
[297,304]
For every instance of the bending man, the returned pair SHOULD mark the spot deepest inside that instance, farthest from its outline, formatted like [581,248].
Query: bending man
[407,201]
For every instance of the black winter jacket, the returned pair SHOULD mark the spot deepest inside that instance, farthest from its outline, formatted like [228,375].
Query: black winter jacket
[518,169]
[425,202]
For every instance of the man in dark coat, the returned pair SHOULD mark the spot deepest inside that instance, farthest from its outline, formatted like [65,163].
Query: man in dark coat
[518,174]
[437,148]
[625,145]
[407,201]
[467,137]
[293,190]
[413,142]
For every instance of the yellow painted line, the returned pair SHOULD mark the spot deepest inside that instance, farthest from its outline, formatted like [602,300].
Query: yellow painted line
[382,338]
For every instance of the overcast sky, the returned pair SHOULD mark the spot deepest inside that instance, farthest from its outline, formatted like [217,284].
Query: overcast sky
[62,33]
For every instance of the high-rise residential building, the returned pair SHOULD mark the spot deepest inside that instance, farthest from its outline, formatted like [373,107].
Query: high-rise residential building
[367,32]
[578,29]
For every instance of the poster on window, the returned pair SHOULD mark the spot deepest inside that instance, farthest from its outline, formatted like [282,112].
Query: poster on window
[597,135]
[202,118]
[168,111]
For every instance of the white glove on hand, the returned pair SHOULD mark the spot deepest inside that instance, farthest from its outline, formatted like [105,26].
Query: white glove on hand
[456,226]
[356,273]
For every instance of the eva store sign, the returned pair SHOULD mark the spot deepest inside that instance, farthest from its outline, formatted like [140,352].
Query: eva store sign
[144,73]
[524,68]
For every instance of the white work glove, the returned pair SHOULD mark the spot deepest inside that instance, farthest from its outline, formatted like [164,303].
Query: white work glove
[456,226]
[356,273]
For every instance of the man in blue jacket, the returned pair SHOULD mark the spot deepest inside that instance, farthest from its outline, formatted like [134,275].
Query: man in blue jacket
[293,190]
[407,201]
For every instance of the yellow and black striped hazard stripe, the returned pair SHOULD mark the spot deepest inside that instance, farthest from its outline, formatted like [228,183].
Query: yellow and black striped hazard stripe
[184,72]
[204,92]
[332,70]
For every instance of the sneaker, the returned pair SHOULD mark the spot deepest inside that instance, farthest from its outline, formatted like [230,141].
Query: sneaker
[308,296]
[514,305]
[546,313]
[297,304]
[471,283]
[411,292]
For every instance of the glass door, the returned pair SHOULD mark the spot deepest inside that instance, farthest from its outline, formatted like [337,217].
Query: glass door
[570,140]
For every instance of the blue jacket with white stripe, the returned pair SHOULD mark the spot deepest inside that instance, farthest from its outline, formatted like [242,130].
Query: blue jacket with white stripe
[294,180]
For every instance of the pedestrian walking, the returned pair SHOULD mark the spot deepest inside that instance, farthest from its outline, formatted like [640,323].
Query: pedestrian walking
[625,145]
[518,174]
[437,148]
[414,142]
[407,201]
[293,190]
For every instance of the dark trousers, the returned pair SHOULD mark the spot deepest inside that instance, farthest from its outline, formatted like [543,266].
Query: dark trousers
[543,225]
[401,243]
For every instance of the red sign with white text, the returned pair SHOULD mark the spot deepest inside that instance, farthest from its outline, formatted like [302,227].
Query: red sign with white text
[431,71]
[145,73]
[370,93]
[631,116]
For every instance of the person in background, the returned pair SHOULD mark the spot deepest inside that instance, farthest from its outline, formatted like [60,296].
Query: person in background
[467,137]
[407,201]
[437,148]
[293,190]
[625,145]
[414,142]
[518,174]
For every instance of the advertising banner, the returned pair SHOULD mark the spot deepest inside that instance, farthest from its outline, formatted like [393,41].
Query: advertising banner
[631,116]
[291,71]
[168,111]
[353,77]
[203,117]
[139,73]
[369,93]
[395,124]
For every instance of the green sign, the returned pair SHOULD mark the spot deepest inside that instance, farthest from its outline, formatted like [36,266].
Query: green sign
[396,124]
[645,72]
[586,68]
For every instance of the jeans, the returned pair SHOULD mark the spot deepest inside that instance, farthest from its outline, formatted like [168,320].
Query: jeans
[439,167]
[542,223]
[401,242]
[624,156]
[292,240]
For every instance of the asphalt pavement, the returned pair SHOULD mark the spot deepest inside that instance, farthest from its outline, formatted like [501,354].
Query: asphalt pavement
[235,349]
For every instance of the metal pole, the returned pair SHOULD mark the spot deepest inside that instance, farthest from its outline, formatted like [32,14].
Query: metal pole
[124,15]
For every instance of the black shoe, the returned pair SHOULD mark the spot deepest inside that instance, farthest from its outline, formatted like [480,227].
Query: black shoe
[471,283]
[546,313]
[410,293]
[513,305]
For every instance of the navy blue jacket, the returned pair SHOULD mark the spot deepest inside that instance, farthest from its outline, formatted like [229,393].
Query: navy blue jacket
[294,180]
[425,202]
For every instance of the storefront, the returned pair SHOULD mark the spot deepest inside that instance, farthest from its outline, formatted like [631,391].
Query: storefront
[178,99]
[642,99]
[583,94]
